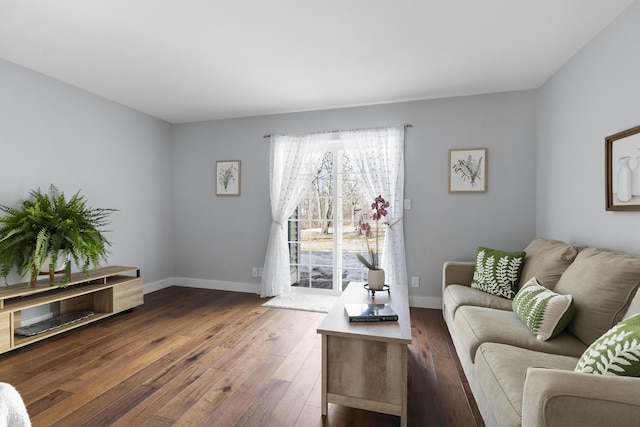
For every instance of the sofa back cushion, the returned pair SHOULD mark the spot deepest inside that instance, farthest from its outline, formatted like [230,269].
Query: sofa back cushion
[546,260]
[602,283]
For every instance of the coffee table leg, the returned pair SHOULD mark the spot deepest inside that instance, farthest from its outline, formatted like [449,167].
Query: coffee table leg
[324,404]
[405,386]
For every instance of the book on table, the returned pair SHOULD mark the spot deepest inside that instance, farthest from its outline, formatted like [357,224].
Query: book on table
[370,313]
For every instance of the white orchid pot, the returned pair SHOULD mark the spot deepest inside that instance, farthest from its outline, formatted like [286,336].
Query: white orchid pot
[376,279]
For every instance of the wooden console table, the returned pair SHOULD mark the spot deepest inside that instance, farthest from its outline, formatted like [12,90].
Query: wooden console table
[364,364]
[105,292]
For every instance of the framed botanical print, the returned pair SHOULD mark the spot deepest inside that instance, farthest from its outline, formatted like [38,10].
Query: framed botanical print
[228,177]
[468,170]
[622,170]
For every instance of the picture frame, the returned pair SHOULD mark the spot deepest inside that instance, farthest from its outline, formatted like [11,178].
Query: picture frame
[227,177]
[622,170]
[468,170]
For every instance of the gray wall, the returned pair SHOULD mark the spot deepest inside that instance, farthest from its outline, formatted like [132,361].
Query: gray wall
[595,95]
[53,133]
[218,239]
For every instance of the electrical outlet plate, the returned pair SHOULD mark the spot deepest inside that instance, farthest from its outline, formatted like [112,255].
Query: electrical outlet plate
[254,272]
[415,282]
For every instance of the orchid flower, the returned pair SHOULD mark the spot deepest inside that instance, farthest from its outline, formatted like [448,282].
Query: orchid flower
[379,207]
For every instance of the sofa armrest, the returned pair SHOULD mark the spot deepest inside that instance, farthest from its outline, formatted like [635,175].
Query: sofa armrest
[457,272]
[553,397]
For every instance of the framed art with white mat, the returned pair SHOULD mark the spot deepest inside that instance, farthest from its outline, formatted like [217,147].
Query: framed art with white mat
[468,170]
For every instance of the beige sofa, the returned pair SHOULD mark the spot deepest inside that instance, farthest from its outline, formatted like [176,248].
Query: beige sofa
[517,379]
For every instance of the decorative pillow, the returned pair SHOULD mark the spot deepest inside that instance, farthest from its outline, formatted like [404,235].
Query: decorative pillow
[545,312]
[617,352]
[497,272]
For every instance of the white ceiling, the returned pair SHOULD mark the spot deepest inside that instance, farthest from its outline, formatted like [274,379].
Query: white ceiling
[193,60]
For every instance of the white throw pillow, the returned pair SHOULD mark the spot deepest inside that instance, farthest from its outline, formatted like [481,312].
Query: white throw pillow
[545,312]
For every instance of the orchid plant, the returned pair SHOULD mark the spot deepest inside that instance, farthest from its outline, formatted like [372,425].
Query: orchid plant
[379,207]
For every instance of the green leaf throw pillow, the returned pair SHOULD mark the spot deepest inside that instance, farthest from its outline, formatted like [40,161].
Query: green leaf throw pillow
[497,272]
[545,312]
[617,352]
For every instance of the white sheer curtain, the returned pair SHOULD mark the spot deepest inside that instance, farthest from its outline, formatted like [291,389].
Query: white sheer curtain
[289,155]
[378,154]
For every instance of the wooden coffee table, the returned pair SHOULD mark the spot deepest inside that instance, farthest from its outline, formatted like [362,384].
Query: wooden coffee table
[364,364]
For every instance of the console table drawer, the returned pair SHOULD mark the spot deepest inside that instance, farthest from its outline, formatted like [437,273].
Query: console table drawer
[127,295]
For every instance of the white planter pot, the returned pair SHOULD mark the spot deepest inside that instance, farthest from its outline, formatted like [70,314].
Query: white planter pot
[376,279]
[61,263]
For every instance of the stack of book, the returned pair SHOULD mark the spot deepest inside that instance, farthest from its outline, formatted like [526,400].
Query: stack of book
[370,313]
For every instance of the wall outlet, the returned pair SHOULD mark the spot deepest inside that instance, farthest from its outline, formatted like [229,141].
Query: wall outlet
[254,272]
[415,282]
[260,272]
[407,204]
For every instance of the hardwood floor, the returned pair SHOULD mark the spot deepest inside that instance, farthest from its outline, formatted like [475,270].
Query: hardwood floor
[195,357]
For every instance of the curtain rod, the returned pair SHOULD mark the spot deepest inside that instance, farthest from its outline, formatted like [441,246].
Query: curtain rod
[409,125]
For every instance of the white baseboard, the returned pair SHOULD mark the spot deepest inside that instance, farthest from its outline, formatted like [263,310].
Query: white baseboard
[425,302]
[156,286]
[219,285]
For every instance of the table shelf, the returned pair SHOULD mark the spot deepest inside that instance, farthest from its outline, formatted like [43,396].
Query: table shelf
[105,291]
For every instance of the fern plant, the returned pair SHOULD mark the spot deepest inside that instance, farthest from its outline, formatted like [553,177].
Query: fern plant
[50,227]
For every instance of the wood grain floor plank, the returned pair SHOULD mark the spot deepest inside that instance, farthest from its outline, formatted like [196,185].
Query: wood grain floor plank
[174,380]
[155,422]
[455,407]
[191,393]
[263,404]
[247,394]
[107,405]
[94,382]
[108,414]
[288,409]
[47,401]
[212,400]
[299,354]
[308,417]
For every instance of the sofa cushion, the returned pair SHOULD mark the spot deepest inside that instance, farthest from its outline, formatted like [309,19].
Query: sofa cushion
[501,371]
[546,260]
[617,352]
[455,296]
[545,312]
[497,272]
[477,325]
[602,283]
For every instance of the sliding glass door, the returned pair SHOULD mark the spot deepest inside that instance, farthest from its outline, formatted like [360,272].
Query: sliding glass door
[323,232]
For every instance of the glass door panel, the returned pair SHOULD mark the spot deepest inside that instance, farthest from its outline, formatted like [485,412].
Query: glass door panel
[323,232]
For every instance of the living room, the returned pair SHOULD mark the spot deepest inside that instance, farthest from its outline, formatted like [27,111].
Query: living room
[545,167]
